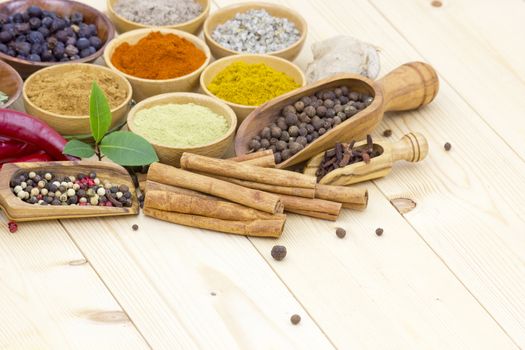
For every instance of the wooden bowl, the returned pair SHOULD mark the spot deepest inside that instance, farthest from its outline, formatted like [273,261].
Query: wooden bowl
[192,26]
[10,83]
[407,87]
[276,63]
[144,88]
[226,13]
[18,210]
[76,125]
[171,155]
[105,28]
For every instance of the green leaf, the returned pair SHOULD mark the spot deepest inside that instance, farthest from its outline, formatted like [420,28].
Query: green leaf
[78,149]
[128,149]
[99,113]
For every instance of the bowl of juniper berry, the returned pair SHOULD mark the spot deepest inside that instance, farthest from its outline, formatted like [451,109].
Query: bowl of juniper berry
[35,34]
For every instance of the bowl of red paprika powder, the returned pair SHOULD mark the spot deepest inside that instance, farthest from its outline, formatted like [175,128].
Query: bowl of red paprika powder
[158,60]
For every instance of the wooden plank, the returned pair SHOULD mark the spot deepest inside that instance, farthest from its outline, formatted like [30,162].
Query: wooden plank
[394,285]
[51,298]
[187,288]
[469,208]
[465,52]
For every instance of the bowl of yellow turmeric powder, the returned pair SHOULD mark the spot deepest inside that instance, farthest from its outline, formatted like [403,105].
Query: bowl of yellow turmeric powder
[158,60]
[244,82]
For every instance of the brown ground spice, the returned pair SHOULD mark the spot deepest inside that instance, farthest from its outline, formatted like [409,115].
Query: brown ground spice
[68,93]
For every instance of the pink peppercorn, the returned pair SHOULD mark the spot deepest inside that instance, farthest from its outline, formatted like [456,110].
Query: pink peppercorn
[13,227]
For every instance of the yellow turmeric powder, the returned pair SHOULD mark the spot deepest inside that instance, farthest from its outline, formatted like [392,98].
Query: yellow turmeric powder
[250,84]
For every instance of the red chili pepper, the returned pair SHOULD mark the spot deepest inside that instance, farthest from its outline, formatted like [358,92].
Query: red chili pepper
[39,156]
[10,149]
[25,128]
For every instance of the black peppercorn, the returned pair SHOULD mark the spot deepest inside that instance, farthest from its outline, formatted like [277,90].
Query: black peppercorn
[340,232]
[293,131]
[387,133]
[447,146]
[379,231]
[255,145]
[278,252]
[135,227]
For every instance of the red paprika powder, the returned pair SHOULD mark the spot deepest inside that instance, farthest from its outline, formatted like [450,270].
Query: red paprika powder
[158,56]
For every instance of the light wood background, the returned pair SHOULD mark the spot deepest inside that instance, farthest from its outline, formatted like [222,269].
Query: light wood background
[447,274]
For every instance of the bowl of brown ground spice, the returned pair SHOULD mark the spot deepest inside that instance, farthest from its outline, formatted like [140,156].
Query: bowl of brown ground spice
[59,95]
[157,61]
[186,15]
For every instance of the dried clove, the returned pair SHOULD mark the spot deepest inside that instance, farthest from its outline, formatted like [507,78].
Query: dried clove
[345,154]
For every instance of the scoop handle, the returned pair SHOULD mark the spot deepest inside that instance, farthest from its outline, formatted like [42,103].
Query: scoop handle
[413,147]
[409,86]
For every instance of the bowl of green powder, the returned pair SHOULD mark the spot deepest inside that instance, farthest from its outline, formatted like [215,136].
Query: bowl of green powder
[180,122]
[244,82]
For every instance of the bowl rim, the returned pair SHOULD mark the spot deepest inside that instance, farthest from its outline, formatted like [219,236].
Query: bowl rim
[232,116]
[196,19]
[90,58]
[256,5]
[75,64]
[145,31]
[234,58]
[19,85]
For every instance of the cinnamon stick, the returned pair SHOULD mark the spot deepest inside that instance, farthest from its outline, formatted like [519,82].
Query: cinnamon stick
[264,159]
[314,214]
[191,204]
[291,191]
[256,228]
[353,196]
[247,172]
[255,199]
[315,205]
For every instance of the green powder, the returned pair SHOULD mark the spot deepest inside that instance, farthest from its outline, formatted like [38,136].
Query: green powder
[180,125]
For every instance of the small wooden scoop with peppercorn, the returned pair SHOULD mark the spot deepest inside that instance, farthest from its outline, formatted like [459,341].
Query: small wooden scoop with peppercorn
[309,120]
[350,163]
[65,190]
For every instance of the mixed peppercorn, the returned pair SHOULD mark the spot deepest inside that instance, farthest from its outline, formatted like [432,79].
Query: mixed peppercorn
[45,188]
[307,119]
[39,35]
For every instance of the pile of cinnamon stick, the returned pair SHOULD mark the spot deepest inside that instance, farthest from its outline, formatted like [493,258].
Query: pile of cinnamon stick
[243,195]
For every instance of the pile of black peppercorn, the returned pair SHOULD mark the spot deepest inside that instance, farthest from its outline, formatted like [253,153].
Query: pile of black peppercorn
[45,188]
[39,35]
[307,119]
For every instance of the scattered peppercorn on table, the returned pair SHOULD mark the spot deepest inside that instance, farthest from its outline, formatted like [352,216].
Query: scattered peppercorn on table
[435,261]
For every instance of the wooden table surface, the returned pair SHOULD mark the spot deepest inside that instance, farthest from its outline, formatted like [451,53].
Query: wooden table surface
[448,272]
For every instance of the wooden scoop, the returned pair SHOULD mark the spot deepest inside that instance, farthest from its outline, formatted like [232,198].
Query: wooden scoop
[407,87]
[413,147]
[18,210]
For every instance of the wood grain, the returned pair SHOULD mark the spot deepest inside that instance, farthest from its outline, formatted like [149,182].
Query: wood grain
[363,291]
[51,298]
[473,46]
